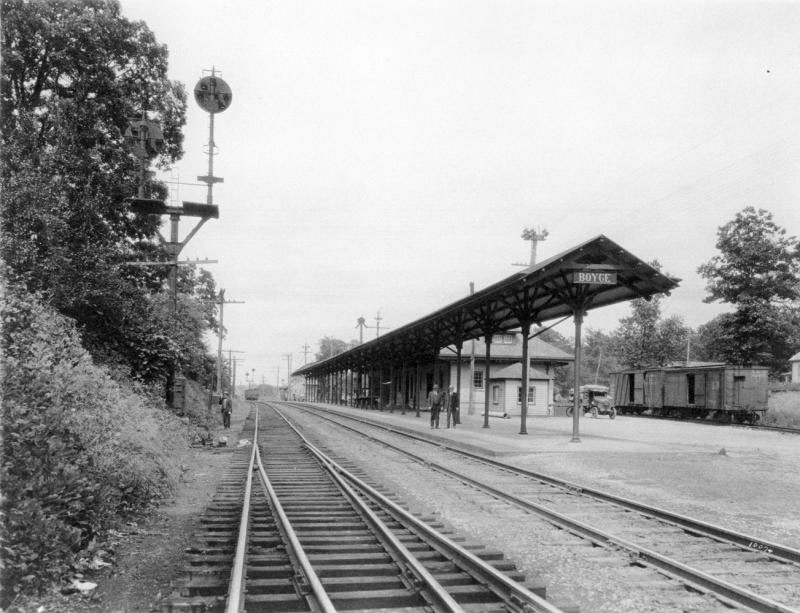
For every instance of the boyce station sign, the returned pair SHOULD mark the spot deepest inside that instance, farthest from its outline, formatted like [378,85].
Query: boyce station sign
[594,277]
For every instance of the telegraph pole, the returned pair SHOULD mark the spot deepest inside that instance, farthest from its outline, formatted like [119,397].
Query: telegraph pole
[246,374]
[277,370]
[535,236]
[232,373]
[288,357]
[214,96]
[222,302]
[362,323]
[378,320]
[470,409]
[306,349]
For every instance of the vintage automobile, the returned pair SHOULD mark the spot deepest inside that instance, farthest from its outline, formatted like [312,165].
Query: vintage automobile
[594,400]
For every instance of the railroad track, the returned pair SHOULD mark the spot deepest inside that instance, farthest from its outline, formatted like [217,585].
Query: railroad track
[292,530]
[711,422]
[741,571]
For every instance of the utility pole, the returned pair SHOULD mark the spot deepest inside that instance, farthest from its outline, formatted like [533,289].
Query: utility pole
[145,139]
[277,370]
[534,235]
[232,372]
[233,382]
[362,323]
[470,409]
[214,96]
[288,357]
[378,320]
[306,349]
[222,302]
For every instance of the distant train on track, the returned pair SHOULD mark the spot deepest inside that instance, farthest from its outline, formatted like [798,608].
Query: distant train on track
[717,391]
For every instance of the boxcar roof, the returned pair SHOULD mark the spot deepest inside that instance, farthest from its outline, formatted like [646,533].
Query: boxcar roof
[691,366]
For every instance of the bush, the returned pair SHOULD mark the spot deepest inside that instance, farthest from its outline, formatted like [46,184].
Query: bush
[80,451]
[784,409]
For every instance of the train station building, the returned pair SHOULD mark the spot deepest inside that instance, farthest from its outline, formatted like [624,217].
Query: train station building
[504,385]
[399,368]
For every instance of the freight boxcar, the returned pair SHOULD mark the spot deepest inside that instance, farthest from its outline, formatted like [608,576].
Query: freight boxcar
[717,391]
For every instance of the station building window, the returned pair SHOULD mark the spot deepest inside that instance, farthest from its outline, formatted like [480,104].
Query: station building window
[531,394]
[495,394]
[477,380]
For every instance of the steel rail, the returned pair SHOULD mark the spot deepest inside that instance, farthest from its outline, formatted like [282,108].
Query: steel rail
[405,559]
[769,548]
[693,576]
[718,424]
[235,600]
[512,592]
[323,600]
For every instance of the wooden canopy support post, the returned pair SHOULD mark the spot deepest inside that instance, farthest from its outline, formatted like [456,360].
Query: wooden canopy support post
[526,330]
[370,384]
[487,370]
[416,388]
[380,386]
[352,386]
[329,387]
[576,386]
[457,413]
[392,392]
[403,388]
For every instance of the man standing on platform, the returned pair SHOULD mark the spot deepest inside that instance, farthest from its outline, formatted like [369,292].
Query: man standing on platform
[435,401]
[451,406]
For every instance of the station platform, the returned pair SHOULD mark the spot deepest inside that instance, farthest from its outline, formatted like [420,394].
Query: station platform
[545,434]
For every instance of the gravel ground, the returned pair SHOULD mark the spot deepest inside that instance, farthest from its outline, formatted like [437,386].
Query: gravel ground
[743,478]
[752,487]
[146,556]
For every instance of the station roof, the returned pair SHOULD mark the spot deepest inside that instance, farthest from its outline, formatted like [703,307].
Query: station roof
[538,351]
[591,275]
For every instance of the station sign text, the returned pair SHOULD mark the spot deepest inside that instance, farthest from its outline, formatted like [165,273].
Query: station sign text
[596,277]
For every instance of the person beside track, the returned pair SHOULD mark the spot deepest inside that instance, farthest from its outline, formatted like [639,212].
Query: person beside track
[435,402]
[451,406]
[226,408]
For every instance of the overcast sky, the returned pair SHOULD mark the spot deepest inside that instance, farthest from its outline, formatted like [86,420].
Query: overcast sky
[381,155]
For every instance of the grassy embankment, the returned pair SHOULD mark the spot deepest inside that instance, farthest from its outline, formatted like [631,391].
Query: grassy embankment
[83,450]
[784,408]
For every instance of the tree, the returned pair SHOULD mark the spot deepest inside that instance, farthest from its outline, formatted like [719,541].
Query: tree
[562,375]
[757,261]
[597,356]
[644,339]
[329,347]
[73,75]
[758,271]
[754,334]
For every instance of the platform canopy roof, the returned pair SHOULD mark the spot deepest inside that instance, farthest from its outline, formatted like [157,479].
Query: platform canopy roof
[591,275]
